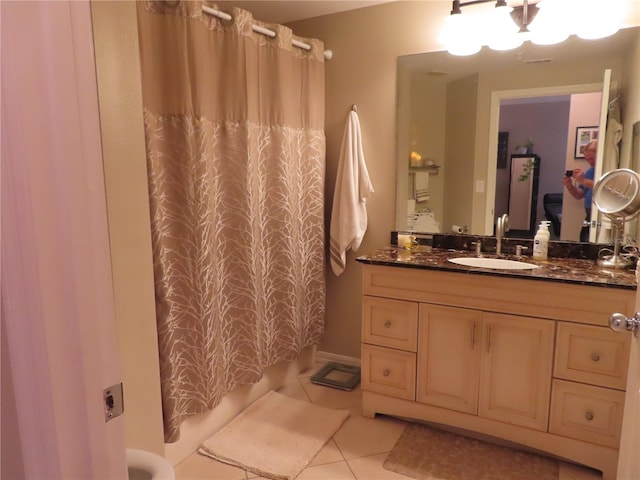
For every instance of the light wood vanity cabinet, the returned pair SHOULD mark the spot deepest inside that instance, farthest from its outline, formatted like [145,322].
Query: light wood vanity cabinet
[505,357]
[496,366]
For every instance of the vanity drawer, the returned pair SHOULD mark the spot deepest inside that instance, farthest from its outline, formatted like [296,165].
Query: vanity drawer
[390,372]
[390,323]
[589,354]
[585,412]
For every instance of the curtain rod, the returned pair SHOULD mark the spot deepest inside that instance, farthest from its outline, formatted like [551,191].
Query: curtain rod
[264,31]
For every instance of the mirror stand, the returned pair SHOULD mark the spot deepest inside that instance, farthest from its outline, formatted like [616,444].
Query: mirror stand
[615,261]
[617,195]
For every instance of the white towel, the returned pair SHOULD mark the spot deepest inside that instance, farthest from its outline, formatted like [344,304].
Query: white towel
[353,187]
[421,186]
[612,139]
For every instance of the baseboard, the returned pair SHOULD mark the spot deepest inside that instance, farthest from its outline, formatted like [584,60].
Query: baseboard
[324,357]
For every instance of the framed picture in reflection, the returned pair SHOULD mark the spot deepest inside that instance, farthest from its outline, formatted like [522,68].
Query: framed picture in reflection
[584,135]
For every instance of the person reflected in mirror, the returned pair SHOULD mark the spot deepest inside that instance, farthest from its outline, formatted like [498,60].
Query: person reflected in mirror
[579,183]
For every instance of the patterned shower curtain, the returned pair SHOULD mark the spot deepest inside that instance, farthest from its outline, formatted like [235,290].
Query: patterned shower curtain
[234,125]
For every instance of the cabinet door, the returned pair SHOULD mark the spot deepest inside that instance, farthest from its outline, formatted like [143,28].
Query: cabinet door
[515,375]
[449,357]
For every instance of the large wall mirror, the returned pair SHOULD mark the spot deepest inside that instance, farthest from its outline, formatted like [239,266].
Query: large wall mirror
[465,124]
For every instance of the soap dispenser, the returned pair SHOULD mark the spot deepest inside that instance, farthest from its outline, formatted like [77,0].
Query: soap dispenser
[541,242]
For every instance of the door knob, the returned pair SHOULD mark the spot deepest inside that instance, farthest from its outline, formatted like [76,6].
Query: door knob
[619,323]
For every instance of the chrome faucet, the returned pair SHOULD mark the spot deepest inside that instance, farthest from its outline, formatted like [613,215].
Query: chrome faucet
[502,226]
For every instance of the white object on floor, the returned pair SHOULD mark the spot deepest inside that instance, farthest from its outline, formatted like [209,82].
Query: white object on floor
[143,465]
[276,436]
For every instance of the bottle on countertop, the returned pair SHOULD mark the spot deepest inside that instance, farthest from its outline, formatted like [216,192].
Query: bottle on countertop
[541,242]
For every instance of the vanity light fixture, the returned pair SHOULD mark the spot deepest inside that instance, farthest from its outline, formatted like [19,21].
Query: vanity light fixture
[599,19]
[544,22]
[460,34]
[502,31]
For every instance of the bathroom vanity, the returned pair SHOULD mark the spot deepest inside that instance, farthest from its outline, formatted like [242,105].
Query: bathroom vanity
[525,357]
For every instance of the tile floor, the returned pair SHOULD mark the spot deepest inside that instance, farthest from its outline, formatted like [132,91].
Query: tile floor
[356,451]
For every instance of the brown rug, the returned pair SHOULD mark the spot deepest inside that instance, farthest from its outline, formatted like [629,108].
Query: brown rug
[426,453]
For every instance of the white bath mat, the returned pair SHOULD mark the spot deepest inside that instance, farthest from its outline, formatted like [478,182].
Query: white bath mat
[275,437]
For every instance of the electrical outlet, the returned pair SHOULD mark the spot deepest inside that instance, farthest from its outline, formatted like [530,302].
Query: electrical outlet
[113,398]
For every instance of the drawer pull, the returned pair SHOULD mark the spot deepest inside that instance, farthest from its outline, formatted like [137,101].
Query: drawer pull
[589,415]
[387,324]
[386,372]
[595,357]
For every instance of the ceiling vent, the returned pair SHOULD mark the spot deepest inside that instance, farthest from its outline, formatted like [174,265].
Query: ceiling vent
[538,60]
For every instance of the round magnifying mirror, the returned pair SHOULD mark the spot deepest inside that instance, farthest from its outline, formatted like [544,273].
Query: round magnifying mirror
[617,195]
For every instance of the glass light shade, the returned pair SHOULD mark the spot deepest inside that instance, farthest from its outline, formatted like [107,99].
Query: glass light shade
[459,35]
[550,24]
[598,18]
[502,31]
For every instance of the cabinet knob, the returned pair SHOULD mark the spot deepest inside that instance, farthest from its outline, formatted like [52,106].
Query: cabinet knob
[386,372]
[595,356]
[387,324]
[589,415]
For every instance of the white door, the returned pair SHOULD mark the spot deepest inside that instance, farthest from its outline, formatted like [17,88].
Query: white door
[629,461]
[57,297]
[596,216]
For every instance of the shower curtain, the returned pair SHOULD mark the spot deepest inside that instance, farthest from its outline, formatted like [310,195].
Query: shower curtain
[234,125]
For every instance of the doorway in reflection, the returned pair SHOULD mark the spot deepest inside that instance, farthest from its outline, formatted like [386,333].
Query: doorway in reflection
[549,123]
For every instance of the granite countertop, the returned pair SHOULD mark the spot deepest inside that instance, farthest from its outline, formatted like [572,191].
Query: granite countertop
[567,270]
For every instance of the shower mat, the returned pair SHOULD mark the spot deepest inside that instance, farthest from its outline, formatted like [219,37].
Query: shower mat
[427,453]
[275,437]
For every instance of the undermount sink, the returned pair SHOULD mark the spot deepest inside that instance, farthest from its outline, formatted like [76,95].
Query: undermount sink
[495,263]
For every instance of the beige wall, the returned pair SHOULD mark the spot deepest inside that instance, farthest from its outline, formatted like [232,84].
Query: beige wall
[366,44]
[120,97]
[421,130]
[460,147]
[427,134]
